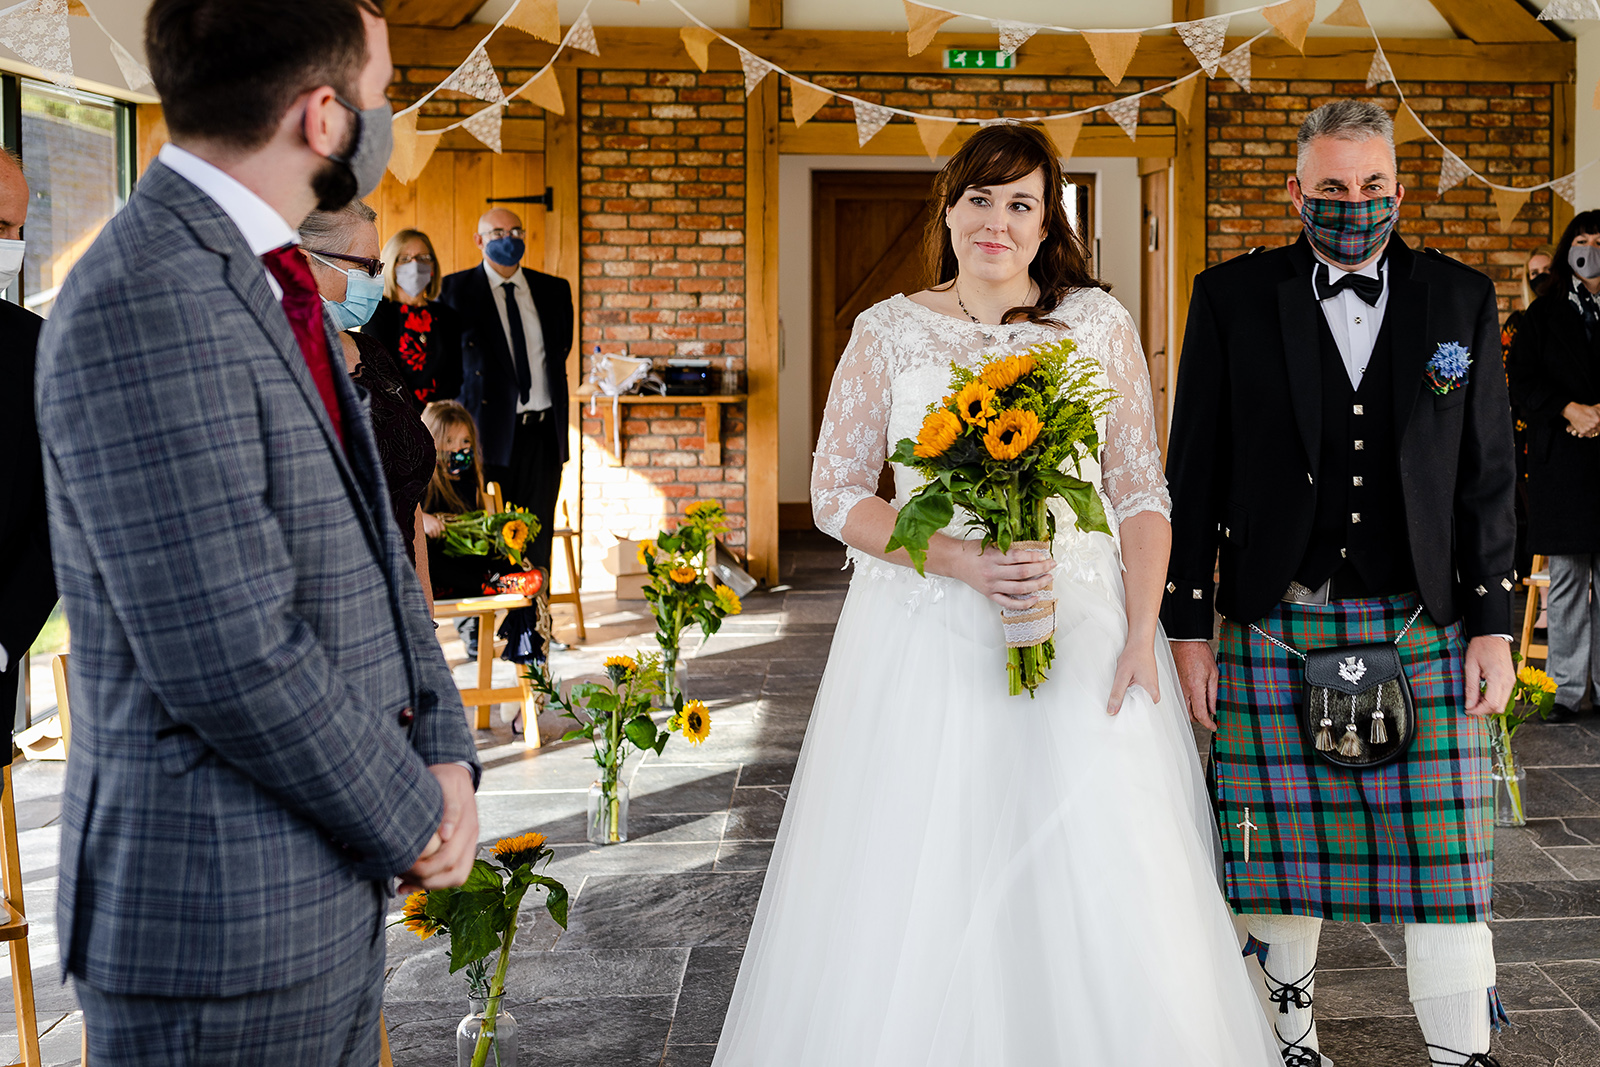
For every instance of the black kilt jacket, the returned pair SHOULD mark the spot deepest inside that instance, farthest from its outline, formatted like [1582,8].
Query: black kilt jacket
[1243,454]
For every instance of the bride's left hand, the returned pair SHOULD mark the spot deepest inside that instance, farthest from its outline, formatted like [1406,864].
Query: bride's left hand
[1136,666]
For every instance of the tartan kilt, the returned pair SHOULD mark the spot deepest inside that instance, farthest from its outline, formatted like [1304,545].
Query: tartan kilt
[1409,842]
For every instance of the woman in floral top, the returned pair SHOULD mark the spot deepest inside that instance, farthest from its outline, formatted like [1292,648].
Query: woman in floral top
[424,335]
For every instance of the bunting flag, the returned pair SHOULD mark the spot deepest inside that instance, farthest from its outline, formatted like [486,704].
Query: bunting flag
[806,100]
[476,77]
[870,118]
[1013,35]
[1452,172]
[537,18]
[545,91]
[923,23]
[934,132]
[1507,202]
[697,42]
[1064,132]
[37,32]
[1567,188]
[79,8]
[485,125]
[1379,72]
[1406,126]
[134,73]
[1349,13]
[581,35]
[755,68]
[412,150]
[1236,65]
[1180,98]
[1125,112]
[1292,18]
[1205,38]
[1570,9]
[1113,52]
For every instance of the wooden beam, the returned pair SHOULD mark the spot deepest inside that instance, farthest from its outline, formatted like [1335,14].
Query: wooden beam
[516,135]
[1563,123]
[561,259]
[149,133]
[447,14]
[1188,228]
[1047,55]
[766,14]
[761,329]
[1492,21]
[900,139]
[1188,10]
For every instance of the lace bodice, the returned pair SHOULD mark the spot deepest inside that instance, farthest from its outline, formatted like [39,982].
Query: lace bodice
[898,362]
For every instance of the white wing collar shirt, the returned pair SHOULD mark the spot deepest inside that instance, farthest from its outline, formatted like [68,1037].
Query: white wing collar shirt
[1353,322]
[532,333]
[258,221]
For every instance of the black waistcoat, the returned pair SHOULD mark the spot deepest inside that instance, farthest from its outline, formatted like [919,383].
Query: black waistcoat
[1359,535]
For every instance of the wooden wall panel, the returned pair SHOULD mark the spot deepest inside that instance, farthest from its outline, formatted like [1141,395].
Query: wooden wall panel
[436,207]
[447,198]
[474,185]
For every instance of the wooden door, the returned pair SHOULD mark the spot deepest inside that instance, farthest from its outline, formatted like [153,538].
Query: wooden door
[448,197]
[1153,290]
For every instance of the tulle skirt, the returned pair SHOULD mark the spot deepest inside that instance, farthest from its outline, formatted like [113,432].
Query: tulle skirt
[969,879]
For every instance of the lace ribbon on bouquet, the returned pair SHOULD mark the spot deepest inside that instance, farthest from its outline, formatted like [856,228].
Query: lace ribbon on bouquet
[1027,627]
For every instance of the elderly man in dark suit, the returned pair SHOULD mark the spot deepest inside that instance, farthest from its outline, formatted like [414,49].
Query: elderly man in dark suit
[516,333]
[267,734]
[27,587]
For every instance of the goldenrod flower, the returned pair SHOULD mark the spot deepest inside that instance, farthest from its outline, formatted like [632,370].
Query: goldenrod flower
[695,722]
[415,918]
[683,575]
[1004,372]
[513,852]
[1011,433]
[1534,678]
[939,431]
[515,534]
[727,600]
[647,551]
[619,668]
[975,403]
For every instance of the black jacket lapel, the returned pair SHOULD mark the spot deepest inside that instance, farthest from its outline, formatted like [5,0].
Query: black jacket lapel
[1297,319]
[488,299]
[1406,317]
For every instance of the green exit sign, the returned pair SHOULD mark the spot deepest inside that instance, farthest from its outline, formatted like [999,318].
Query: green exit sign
[978,59]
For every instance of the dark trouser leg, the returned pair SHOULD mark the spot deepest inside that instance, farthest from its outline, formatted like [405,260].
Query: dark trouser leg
[534,478]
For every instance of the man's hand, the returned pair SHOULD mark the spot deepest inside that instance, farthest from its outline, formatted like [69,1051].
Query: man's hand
[1489,675]
[447,860]
[1197,673]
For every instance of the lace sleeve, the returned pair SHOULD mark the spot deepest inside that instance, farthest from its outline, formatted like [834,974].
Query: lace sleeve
[854,443]
[1131,463]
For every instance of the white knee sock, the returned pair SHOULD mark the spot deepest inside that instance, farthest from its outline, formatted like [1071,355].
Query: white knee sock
[1291,942]
[1450,971]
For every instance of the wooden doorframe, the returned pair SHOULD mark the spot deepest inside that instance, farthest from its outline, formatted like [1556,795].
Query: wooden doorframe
[561,259]
[761,330]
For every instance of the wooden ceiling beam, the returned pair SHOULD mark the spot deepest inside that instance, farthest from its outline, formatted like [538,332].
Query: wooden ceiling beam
[1493,21]
[1048,55]
[443,14]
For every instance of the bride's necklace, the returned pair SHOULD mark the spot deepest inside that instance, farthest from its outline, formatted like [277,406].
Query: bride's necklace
[987,335]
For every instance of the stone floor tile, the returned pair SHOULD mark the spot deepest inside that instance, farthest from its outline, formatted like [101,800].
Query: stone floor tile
[703,1001]
[1538,940]
[1548,794]
[1545,900]
[1381,1041]
[689,1056]
[744,856]
[1360,994]
[663,911]
[1541,744]
[1549,1039]
[1518,859]
[1579,980]
[755,775]
[755,814]
[633,857]
[1580,862]
[1526,987]
[668,788]
[1351,945]
[1559,833]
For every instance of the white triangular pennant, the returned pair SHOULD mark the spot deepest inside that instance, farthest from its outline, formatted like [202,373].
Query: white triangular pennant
[1566,187]
[1205,38]
[1379,72]
[870,118]
[1236,64]
[1570,9]
[37,32]
[581,34]
[134,73]
[485,125]
[1125,113]
[1013,35]
[1452,172]
[755,68]
[476,77]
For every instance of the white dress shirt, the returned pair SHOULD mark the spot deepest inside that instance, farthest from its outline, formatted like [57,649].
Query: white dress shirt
[258,221]
[532,332]
[1353,322]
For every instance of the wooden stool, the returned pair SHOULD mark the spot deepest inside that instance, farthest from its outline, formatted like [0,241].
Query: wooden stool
[14,931]
[1539,579]
[567,534]
[484,697]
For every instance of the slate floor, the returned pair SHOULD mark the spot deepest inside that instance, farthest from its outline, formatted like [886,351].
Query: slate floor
[644,973]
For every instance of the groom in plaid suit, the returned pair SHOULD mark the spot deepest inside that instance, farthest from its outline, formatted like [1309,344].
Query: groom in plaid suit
[265,732]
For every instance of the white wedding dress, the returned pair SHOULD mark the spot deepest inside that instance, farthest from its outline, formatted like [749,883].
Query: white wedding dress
[965,878]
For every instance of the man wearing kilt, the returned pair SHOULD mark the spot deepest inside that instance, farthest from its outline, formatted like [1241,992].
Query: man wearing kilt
[1341,459]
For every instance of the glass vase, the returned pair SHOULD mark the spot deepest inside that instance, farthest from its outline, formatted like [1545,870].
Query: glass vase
[608,812]
[1509,796]
[500,1048]
[671,676]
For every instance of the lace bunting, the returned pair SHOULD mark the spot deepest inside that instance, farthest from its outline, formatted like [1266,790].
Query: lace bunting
[134,73]
[1236,64]
[1013,35]
[1125,112]
[476,77]
[755,68]
[485,126]
[1567,188]
[581,35]
[37,32]
[1452,172]
[870,118]
[1379,72]
[1205,38]
[1570,9]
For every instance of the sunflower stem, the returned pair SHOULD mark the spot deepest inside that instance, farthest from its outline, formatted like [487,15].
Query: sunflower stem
[497,991]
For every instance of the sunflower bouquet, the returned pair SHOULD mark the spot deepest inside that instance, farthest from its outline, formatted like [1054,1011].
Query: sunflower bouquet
[612,716]
[482,533]
[481,915]
[1009,438]
[680,590]
[1533,695]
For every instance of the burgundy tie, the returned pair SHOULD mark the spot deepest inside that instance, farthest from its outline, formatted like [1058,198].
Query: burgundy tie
[303,304]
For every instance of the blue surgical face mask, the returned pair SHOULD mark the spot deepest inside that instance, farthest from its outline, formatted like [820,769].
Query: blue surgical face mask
[362,292]
[506,251]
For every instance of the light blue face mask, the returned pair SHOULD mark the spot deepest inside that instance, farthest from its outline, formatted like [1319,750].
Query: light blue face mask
[362,292]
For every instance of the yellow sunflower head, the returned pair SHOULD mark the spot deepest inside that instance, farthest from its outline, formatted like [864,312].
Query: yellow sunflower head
[695,722]
[1011,433]
[705,511]
[415,916]
[727,600]
[1534,678]
[619,668]
[684,574]
[514,534]
[513,852]
[1008,371]
[647,552]
[939,431]
[975,403]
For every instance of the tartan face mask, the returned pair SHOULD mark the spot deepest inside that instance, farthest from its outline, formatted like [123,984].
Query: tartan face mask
[1349,231]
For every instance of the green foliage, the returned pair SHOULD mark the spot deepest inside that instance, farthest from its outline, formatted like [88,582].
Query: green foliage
[481,915]
[680,590]
[483,533]
[611,715]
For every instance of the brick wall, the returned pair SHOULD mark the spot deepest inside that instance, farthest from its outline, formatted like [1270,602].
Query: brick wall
[1502,130]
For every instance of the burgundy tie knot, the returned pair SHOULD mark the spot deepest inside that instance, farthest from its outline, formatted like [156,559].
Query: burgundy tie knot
[303,306]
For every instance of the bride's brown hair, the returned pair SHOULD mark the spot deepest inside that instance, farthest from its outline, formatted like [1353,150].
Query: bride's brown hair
[999,155]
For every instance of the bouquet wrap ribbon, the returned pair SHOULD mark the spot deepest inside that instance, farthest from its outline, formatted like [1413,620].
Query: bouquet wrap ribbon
[1027,627]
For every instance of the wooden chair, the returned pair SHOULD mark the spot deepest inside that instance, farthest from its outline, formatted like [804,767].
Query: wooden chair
[1539,579]
[484,696]
[567,535]
[14,930]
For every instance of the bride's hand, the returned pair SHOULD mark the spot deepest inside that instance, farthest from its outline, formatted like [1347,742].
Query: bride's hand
[1011,579]
[1136,666]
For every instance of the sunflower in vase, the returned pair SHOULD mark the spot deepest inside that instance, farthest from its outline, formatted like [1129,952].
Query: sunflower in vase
[680,590]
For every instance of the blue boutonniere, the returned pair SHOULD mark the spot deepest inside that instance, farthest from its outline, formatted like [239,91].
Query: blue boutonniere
[1447,370]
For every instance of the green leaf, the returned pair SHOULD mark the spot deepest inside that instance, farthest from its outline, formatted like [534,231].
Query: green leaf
[924,515]
[642,732]
[903,454]
[474,927]
[484,877]
[556,900]
[580,734]
[1085,502]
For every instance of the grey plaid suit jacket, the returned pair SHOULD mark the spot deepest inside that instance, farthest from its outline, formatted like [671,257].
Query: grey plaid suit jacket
[246,627]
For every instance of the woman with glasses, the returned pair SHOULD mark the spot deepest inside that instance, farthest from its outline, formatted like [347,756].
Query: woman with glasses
[411,322]
[341,247]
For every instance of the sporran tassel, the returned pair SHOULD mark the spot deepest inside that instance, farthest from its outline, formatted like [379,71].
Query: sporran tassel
[1325,736]
[1350,743]
[1380,732]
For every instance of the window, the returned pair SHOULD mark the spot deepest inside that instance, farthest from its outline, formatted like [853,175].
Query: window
[77,149]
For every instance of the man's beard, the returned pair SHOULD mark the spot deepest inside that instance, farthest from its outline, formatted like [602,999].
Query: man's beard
[335,183]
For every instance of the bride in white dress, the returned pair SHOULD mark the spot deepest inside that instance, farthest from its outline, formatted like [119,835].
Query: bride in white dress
[965,878]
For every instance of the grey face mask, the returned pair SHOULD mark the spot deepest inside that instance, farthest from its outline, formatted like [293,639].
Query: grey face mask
[373,143]
[1584,260]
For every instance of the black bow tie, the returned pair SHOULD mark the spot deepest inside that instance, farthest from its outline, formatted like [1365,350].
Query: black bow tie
[1368,288]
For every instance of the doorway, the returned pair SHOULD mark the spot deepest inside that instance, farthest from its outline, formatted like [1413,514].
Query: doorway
[1153,288]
